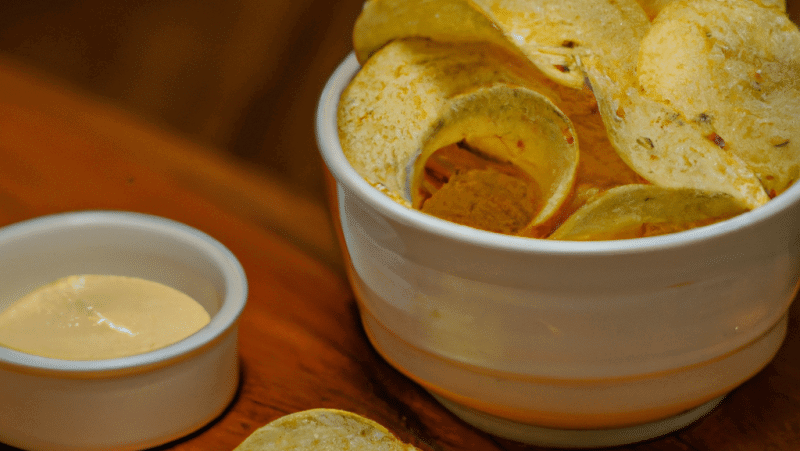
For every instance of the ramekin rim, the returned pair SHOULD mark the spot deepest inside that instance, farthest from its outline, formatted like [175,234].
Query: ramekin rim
[234,298]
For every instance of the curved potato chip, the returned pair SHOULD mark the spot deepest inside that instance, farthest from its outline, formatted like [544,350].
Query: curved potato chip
[397,99]
[382,21]
[552,33]
[732,68]
[323,430]
[511,124]
[667,150]
[634,211]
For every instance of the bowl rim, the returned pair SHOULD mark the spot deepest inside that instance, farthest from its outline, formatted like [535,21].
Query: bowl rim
[233,299]
[347,177]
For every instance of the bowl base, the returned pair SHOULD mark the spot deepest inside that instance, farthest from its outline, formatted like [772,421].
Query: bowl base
[575,438]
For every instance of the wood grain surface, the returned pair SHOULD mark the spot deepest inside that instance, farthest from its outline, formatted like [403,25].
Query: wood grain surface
[65,146]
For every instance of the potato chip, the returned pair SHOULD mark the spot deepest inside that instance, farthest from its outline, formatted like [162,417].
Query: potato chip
[415,96]
[382,21]
[732,69]
[552,33]
[514,125]
[634,211]
[399,93]
[323,430]
[668,150]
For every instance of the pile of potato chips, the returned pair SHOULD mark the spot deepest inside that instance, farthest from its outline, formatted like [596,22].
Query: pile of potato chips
[575,119]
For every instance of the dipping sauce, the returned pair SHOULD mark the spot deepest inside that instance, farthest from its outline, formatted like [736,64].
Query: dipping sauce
[94,317]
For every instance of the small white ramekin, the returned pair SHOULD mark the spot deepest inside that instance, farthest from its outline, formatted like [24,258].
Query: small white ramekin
[132,402]
[569,344]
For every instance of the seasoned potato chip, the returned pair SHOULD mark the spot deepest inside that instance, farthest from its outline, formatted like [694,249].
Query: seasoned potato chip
[382,21]
[399,93]
[668,150]
[323,430]
[634,211]
[415,96]
[732,69]
[514,125]
[552,33]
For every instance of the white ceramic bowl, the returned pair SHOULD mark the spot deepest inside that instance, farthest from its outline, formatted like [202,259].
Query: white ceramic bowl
[565,344]
[132,402]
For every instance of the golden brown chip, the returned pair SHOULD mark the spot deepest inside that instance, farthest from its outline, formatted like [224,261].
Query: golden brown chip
[732,69]
[634,211]
[382,21]
[323,430]
[514,125]
[415,96]
[668,150]
[399,93]
[552,33]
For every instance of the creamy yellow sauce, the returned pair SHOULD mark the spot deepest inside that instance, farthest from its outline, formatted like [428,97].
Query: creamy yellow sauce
[94,317]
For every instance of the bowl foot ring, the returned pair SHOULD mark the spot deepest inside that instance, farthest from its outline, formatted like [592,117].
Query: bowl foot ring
[575,438]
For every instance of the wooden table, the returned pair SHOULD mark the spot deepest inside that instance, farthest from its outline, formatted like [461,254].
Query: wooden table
[302,345]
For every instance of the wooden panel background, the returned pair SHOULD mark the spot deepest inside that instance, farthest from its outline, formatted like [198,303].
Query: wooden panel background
[241,76]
